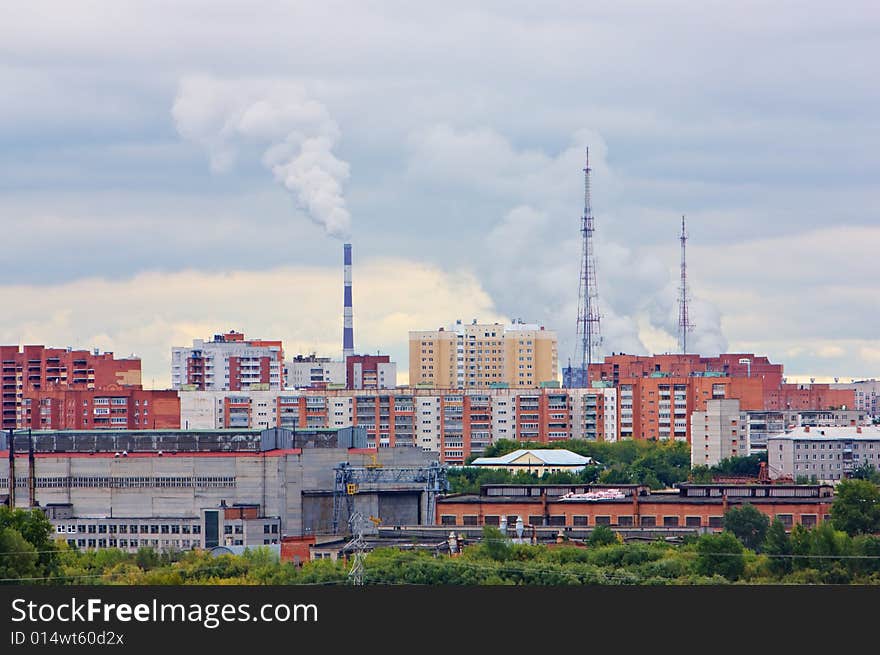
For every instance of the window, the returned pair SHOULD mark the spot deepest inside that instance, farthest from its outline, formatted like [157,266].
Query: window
[808,520]
[470,519]
[693,521]
[557,519]
[447,519]
[670,521]
[579,520]
[603,520]
[227,529]
[490,520]
[648,521]
[787,519]
[536,519]
[624,521]
[716,521]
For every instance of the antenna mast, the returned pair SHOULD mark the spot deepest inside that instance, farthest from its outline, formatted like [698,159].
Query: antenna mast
[589,336]
[684,322]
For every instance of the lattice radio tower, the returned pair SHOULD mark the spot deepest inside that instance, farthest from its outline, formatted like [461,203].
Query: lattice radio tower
[589,336]
[684,321]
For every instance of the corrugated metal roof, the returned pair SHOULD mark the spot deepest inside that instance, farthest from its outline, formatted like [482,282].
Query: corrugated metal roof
[548,456]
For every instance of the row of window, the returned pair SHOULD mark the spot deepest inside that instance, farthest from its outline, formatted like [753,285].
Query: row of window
[133,543]
[129,482]
[645,521]
[125,528]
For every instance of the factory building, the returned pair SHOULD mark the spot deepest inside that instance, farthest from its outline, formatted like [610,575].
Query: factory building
[483,355]
[204,488]
[695,506]
[228,362]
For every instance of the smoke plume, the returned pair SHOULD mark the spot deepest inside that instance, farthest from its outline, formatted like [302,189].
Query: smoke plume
[228,117]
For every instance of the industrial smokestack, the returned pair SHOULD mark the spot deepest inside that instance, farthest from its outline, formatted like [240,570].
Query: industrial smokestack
[11,469]
[347,316]
[32,474]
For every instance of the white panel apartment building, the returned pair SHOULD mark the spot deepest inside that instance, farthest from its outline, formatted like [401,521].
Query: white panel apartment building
[830,454]
[454,423]
[718,433]
[228,362]
[306,371]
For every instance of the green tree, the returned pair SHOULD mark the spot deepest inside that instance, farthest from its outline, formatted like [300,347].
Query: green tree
[35,529]
[494,544]
[720,554]
[602,535]
[777,545]
[856,507]
[748,524]
[18,557]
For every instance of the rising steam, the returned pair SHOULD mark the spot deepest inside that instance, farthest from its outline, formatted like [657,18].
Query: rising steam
[226,116]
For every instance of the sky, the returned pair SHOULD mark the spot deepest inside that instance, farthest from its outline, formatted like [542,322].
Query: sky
[173,170]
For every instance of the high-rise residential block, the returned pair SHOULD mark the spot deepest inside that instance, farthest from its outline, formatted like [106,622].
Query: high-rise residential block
[28,371]
[718,432]
[483,355]
[228,362]
[370,372]
[454,423]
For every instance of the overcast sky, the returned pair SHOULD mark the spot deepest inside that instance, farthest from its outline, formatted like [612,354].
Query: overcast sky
[168,172]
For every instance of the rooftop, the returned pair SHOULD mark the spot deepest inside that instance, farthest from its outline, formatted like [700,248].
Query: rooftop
[857,433]
[548,457]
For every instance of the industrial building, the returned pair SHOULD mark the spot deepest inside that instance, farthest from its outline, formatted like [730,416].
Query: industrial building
[27,372]
[453,423]
[828,454]
[203,488]
[569,507]
[483,355]
[228,362]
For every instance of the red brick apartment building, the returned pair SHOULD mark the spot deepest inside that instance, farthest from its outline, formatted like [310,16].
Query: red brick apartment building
[810,396]
[31,371]
[112,407]
[689,506]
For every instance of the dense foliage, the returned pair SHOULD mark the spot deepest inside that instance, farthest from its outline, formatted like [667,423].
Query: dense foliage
[657,464]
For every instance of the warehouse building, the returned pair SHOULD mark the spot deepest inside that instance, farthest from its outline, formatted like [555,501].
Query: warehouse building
[203,488]
[696,506]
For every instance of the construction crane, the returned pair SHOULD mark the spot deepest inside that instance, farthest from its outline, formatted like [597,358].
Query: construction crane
[350,480]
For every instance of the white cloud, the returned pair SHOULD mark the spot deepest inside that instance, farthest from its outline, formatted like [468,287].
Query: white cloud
[301,305]
[223,116]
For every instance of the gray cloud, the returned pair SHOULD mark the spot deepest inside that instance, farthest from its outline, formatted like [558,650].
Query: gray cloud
[462,130]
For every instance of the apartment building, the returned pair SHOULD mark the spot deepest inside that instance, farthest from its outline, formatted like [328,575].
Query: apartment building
[828,453]
[718,432]
[28,371]
[112,407]
[228,362]
[660,406]
[866,395]
[482,355]
[370,372]
[764,423]
[735,365]
[454,423]
[810,396]
[311,371]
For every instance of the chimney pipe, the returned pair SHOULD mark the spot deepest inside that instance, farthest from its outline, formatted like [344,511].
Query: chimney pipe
[347,315]
[32,476]
[11,468]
